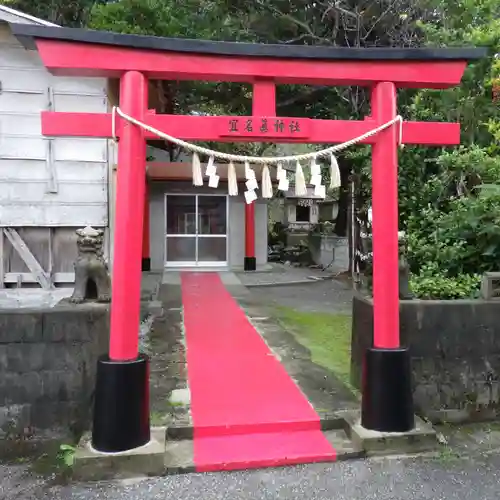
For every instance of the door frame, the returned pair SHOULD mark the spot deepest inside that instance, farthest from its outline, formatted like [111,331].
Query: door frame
[196,262]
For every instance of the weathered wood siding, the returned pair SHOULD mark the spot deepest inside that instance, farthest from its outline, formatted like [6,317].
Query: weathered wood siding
[45,181]
[49,187]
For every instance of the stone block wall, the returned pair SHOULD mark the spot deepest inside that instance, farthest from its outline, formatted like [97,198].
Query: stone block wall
[324,248]
[455,350]
[47,369]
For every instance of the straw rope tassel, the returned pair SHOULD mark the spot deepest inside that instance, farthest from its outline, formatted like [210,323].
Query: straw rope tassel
[248,169]
[300,181]
[334,173]
[232,181]
[279,171]
[197,174]
[267,185]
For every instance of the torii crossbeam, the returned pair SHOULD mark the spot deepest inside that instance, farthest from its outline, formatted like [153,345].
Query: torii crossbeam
[123,376]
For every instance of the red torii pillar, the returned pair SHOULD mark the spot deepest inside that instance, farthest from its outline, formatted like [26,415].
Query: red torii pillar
[121,419]
[250,262]
[124,374]
[263,104]
[146,251]
[386,364]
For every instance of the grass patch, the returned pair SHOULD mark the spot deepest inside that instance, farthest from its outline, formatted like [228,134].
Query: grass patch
[448,454]
[57,462]
[327,336]
[157,419]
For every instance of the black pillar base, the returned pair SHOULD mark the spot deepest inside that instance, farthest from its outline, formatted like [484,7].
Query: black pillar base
[250,264]
[387,397]
[146,264]
[121,408]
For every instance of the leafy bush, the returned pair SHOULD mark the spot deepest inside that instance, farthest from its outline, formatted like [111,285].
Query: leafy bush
[450,199]
[430,284]
[465,240]
[455,237]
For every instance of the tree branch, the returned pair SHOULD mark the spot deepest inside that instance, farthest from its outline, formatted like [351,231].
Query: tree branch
[384,13]
[295,21]
[303,95]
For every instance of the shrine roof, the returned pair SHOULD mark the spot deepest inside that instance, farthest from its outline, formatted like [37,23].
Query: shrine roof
[27,34]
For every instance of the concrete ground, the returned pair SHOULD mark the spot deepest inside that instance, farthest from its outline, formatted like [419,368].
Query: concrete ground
[329,296]
[438,478]
[466,469]
[282,273]
[289,287]
[304,289]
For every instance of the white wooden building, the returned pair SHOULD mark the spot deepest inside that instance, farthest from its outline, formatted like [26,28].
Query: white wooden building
[48,186]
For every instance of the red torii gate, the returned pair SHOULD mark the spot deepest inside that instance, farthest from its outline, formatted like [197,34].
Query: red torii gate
[121,414]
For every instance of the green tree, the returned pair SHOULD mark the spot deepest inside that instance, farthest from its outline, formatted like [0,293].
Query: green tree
[449,202]
[70,13]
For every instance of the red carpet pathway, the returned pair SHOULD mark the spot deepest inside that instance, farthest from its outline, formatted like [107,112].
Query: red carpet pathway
[247,412]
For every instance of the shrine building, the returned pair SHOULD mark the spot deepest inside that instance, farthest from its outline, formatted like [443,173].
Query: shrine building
[200,226]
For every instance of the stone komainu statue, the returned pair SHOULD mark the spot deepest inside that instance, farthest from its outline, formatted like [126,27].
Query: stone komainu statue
[404,271]
[365,262]
[92,280]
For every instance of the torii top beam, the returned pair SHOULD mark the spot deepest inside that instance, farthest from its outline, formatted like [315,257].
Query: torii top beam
[76,52]
[69,52]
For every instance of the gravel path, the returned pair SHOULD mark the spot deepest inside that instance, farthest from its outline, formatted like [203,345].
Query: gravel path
[387,479]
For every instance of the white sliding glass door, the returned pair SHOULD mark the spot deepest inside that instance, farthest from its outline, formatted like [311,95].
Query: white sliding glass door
[195,230]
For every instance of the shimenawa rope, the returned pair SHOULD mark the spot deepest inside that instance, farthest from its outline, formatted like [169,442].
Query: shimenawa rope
[271,160]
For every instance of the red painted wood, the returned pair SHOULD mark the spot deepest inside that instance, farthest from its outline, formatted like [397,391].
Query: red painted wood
[250,229]
[83,59]
[145,230]
[431,133]
[207,128]
[58,124]
[385,221]
[129,219]
[264,98]
[261,417]
[263,104]
[145,224]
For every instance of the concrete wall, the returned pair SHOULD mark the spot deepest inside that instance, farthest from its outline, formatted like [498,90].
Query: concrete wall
[47,370]
[236,222]
[455,349]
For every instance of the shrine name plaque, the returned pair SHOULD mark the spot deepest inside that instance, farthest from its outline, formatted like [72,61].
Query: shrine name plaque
[262,127]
